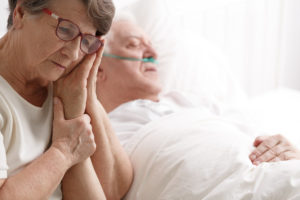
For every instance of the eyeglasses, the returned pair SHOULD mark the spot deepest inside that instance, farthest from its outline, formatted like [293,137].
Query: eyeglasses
[68,31]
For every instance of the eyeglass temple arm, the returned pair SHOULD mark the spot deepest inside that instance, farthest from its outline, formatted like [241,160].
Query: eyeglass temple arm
[49,12]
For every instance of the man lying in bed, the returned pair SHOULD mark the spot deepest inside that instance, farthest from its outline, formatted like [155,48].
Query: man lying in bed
[129,90]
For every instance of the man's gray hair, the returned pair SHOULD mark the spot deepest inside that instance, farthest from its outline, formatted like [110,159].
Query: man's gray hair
[124,16]
[119,16]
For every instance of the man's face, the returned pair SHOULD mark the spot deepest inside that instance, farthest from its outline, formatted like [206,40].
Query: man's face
[135,78]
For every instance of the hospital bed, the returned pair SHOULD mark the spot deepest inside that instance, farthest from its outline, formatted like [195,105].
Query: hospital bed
[198,68]
[173,166]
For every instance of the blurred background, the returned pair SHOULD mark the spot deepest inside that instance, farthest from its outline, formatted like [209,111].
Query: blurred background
[260,38]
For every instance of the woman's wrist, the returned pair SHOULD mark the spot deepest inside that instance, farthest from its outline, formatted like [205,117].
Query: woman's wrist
[93,105]
[61,156]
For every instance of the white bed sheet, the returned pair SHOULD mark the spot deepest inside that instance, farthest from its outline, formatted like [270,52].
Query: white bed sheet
[193,155]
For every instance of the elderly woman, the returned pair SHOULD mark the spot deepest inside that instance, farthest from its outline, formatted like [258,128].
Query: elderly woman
[52,41]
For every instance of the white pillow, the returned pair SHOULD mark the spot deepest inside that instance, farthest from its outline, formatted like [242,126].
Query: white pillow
[187,62]
[3,16]
[157,23]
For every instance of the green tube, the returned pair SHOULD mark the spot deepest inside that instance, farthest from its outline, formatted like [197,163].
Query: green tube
[151,59]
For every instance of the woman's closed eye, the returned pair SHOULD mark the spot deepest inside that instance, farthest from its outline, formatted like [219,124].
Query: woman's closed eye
[85,42]
[64,30]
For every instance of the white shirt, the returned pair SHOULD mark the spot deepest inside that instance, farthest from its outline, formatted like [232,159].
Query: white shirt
[129,117]
[25,131]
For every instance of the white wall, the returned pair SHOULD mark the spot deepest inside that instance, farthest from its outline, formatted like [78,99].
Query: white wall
[291,45]
[3,16]
[260,37]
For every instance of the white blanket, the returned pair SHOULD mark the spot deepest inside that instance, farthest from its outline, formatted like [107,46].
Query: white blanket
[193,155]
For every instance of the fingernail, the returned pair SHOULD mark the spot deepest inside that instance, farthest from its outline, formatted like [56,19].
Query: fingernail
[252,157]
[256,162]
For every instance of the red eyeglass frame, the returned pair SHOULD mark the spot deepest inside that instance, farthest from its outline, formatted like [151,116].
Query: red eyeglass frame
[59,20]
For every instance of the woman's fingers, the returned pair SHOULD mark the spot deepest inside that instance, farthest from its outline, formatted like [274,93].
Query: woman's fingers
[83,69]
[99,56]
[94,70]
[74,138]
[90,63]
[92,82]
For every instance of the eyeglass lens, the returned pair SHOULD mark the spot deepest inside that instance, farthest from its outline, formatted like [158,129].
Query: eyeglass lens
[67,31]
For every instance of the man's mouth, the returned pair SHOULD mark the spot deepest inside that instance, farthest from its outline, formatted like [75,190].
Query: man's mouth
[150,69]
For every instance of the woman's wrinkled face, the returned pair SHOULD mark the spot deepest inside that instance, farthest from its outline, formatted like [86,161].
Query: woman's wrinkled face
[45,56]
[136,78]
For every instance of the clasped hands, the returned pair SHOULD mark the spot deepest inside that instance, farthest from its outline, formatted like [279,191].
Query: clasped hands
[74,98]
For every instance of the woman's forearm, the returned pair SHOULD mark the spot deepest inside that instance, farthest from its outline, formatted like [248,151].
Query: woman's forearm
[38,180]
[110,161]
[81,182]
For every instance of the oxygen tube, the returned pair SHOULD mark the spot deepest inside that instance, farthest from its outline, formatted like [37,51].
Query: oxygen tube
[150,59]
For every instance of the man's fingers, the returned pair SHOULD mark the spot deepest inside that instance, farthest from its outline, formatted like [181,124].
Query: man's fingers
[58,109]
[276,159]
[272,153]
[265,157]
[273,148]
[264,146]
[288,155]
[259,140]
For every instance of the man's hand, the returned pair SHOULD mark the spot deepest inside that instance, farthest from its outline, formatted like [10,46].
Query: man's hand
[273,148]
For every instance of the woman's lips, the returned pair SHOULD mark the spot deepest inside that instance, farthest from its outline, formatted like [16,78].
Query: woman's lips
[60,66]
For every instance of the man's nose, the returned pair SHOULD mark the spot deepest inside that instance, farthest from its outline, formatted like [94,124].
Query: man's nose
[72,49]
[150,52]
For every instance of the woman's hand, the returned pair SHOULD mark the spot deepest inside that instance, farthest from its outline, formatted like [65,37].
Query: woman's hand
[72,88]
[92,99]
[273,148]
[74,138]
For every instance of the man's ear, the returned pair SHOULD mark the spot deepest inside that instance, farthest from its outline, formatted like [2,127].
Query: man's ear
[18,15]
[101,74]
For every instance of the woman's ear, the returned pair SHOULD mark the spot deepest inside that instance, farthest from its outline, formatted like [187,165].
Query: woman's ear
[18,15]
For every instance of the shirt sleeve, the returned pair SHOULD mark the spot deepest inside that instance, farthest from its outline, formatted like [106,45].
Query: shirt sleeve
[3,163]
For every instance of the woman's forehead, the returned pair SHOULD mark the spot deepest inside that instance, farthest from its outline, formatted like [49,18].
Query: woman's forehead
[75,11]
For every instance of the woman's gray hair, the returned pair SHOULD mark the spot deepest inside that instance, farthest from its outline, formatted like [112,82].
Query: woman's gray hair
[101,12]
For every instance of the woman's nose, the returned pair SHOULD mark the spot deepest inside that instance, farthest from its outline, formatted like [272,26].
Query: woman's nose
[72,49]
